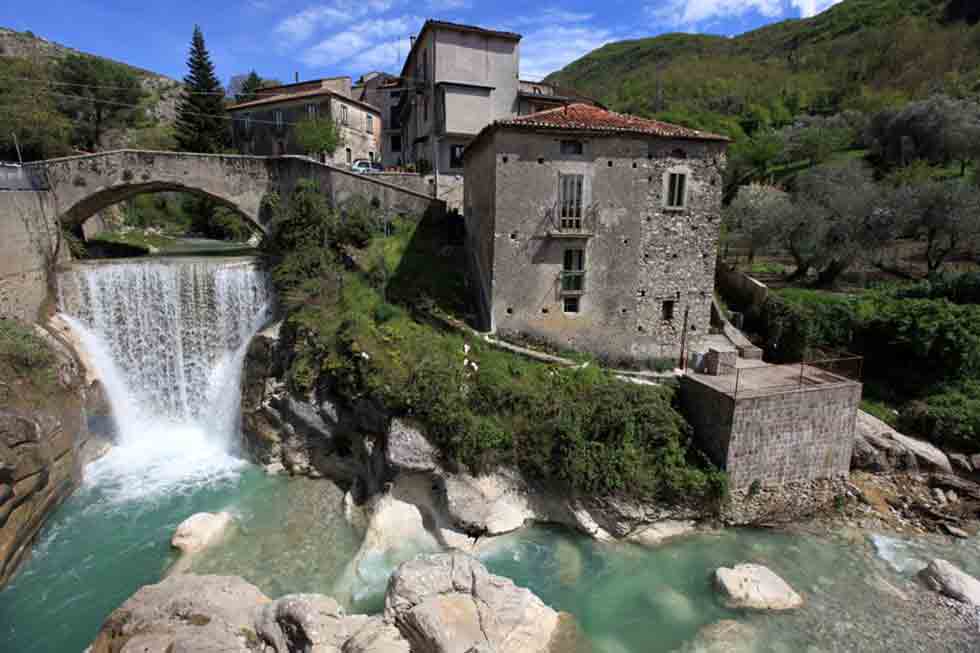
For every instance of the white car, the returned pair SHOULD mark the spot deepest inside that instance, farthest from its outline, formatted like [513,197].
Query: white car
[365,166]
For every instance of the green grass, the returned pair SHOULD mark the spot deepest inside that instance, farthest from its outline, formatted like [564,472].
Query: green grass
[881,410]
[27,366]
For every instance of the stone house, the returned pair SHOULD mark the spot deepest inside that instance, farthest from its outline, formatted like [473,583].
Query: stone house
[383,91]
[595,230]
[264,126]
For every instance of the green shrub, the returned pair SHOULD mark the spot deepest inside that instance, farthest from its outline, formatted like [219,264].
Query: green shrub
[384,312]
[949,419]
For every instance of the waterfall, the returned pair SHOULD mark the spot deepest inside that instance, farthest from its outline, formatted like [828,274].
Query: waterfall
[168,338]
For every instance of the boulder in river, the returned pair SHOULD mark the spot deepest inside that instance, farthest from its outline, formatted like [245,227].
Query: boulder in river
[945,578]
[445,603]
[450,603]
[755,587]
[184,613]
[200,531]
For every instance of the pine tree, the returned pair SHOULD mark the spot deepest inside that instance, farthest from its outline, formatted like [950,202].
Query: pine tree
[201,126]
[250,85]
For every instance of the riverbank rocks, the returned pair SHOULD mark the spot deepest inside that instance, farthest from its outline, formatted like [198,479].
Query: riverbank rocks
[445,603]
[944,577]
[188,613]
[408,450]
[200,531]
[880,448]
[43,444]
[657,534]
[450,603]
[755,587]
[492,504]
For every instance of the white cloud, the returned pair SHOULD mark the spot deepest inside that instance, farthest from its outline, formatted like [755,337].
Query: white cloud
[388,56]
[812,7]
[303,25]
[448,5]
[546,50]
[688,13]
[692,12]
[370,40]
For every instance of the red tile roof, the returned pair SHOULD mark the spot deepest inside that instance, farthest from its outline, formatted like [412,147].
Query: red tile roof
[586,117]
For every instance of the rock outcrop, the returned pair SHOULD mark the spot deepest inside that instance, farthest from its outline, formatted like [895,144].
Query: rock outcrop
[447,603]
[944,577]
[44,441]
[755,587]
[878,448]
[450,603]
[363,447]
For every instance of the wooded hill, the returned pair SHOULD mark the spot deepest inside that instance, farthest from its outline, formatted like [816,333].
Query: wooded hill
[860,54]
[34,99]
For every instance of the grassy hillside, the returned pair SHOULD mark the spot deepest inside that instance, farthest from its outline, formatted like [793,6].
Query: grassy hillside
[860,54]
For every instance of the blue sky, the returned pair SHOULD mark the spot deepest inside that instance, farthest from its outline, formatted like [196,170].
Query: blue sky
[331,37]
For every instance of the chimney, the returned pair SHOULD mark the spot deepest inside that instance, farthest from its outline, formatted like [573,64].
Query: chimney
[296,76]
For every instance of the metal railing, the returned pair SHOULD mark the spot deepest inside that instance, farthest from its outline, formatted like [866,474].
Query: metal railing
[770,379]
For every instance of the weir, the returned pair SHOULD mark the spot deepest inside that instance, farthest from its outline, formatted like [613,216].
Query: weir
[167,338]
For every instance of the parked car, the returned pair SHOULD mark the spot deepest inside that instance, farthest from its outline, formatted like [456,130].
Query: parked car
[365,166]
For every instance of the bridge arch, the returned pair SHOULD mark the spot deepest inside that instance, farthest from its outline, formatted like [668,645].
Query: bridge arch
[83,185]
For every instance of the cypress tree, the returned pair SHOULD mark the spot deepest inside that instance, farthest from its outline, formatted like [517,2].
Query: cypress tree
[200,112]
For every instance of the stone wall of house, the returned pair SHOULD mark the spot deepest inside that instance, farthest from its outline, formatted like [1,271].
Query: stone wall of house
[261,136]
[478,208]
[640,255]
[775,438]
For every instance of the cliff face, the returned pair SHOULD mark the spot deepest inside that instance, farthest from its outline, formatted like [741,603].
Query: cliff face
[43,436]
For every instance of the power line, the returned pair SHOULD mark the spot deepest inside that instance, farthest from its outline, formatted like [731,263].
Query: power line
[102,86]
[189,113]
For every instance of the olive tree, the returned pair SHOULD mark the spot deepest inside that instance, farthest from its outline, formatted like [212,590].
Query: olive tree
[757,213]
[945,214]
[839,216]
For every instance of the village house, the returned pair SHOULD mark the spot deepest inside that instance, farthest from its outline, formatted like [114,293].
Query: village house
[594,230]
[264,126]
[463,78]
[383,91]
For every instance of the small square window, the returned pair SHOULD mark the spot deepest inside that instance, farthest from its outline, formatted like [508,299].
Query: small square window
[278,118]
[667,311]
[571,147]
[676,190]
[396,142]
[311,111]
[571,304]
[370,123]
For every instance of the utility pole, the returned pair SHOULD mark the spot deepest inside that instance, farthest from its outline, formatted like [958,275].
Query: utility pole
[20,159]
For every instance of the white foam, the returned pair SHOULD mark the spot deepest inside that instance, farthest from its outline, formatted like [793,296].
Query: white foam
[168,340]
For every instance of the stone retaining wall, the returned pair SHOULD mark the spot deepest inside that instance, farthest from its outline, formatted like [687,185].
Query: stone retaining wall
[778,437]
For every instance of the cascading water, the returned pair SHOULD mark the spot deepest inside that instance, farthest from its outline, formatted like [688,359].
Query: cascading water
[167,338]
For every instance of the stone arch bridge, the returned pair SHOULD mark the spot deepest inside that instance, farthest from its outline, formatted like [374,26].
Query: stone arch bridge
[39,199]
[81,186]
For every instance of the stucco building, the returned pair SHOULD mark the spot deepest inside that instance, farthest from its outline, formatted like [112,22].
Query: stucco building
[264,126]
[595,230]
[384,91]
